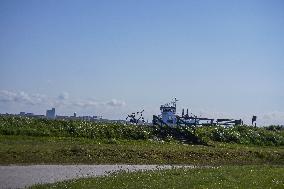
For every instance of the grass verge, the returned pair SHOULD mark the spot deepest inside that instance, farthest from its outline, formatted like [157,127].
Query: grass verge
[220,177]
[69,150]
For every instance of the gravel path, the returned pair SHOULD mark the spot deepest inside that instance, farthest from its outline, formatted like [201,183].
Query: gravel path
[25,176]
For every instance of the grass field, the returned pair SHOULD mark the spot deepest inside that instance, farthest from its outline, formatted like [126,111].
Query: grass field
[36,141]
[240,150]
[263,176]
[69,150]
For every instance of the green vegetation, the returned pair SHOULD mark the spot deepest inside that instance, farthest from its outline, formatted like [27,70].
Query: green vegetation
[242,135]
[30,141]
[40,141]
[12,125]
[68,150]
[218,177]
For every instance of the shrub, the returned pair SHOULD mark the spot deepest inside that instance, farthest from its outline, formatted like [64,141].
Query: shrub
[15,125]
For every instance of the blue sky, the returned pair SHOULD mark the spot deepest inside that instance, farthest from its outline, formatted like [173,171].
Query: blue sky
[219,58]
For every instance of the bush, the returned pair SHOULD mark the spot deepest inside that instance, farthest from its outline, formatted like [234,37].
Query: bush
[15,125]
[241,134]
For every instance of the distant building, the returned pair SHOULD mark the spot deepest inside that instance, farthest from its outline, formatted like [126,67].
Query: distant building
[50,114]
[59,117]
[30,114]
[22,113]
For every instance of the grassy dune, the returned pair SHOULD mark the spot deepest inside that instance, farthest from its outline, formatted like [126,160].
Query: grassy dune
[249,157]
[12,125]
[31,141]
[68,150]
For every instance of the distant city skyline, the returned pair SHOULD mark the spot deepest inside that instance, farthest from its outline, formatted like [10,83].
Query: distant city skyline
[110,58]
[52,115]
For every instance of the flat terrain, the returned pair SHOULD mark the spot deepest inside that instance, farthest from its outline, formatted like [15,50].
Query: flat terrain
[68,150]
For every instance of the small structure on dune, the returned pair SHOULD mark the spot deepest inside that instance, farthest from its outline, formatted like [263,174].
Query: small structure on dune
[168,117]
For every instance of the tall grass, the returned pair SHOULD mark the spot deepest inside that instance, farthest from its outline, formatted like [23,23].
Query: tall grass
[15,125]
[242,134]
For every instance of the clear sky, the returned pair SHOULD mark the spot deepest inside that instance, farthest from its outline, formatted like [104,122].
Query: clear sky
[221,58]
